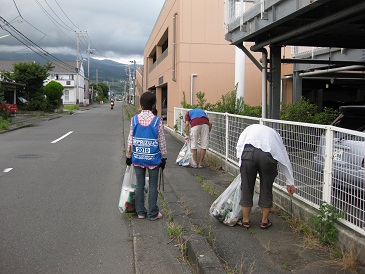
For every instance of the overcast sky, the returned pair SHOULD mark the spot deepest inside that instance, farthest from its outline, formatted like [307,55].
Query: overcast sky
[116,29]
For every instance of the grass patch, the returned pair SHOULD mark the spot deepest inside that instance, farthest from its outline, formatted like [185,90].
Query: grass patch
[71,107]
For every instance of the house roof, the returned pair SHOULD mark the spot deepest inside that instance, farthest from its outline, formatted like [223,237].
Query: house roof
[9,65]
[64,67]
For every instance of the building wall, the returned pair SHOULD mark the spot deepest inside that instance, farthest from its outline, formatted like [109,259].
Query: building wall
[200,48]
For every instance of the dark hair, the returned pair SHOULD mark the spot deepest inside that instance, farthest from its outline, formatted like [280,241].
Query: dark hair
[148,101]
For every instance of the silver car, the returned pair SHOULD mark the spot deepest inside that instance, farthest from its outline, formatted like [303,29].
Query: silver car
[348,167]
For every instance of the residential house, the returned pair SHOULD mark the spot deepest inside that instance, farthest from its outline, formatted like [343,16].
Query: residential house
[72,80]
[10,87]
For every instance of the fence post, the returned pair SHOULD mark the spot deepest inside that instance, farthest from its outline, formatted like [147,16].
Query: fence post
[227,147]
[181,122]
[328,164]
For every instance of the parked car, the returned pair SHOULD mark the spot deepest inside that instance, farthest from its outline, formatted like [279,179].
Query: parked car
[12,108]
[348,177]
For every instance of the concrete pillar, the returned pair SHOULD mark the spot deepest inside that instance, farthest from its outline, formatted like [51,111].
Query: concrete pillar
[297,86]
[275,67]
[239,73]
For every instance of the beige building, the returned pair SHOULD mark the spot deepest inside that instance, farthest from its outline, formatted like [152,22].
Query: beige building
[187,53]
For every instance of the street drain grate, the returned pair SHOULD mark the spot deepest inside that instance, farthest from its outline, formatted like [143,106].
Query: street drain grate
[29,156]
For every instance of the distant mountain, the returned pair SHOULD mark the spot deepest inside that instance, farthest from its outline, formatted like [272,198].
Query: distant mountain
[105,70]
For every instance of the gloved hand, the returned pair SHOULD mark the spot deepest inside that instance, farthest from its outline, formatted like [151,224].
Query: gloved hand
[128,161]
[163,163]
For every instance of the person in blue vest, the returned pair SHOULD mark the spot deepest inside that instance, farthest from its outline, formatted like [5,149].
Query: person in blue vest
[147,151]
[200,127]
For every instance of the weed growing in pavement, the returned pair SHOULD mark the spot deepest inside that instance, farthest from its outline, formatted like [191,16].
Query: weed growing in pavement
[175,231]
[213,162]
[207,187]
[128,216]
[199,230]
[129,115]
[286,265]
[211,238]
[324,223]
[183,204]
[166,209]
[347,259]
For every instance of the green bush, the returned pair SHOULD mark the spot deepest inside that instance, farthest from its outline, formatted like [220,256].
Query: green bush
[304,111]
[53,91]
[38,103]
[4,114]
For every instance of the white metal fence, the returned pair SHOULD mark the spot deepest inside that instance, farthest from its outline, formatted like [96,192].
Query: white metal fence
[328,162]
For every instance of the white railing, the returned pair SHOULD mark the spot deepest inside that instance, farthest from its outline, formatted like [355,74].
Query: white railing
[326,160]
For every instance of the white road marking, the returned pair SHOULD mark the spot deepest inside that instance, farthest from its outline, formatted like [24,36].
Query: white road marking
[7,169]
[59,139]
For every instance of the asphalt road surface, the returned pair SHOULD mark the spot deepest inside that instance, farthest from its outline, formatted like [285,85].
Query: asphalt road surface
[59,189]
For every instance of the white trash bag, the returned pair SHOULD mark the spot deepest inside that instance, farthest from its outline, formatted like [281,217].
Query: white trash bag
[126,200]
[185,157]
[226,208]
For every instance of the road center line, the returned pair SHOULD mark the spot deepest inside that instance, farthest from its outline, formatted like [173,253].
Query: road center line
[59,139]
[7,169]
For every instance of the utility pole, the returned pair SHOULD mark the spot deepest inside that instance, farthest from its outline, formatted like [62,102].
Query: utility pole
[78,60]
[77,64]
[89,51]
[134,81]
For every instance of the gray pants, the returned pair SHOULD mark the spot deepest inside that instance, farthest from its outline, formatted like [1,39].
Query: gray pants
[255,161]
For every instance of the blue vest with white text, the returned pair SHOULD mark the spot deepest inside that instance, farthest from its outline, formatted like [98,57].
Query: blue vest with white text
[146,150]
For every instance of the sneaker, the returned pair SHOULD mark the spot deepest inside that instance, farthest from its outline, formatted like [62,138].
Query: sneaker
[159,216]
[193,165]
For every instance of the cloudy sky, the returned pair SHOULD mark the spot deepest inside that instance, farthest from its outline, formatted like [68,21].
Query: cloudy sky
[116,29]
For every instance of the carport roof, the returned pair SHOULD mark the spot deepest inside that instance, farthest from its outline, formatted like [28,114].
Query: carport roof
[321,23]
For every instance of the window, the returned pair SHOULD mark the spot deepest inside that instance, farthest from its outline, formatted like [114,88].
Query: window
[67,95]
[68,83]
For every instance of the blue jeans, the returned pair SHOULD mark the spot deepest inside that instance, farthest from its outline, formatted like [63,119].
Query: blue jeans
[152,191]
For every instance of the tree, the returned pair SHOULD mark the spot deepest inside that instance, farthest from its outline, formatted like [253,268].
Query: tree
[54,91]
[32,75]
[105,89]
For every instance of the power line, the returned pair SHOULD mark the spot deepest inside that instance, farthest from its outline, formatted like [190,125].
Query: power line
[66,15]
[43,53]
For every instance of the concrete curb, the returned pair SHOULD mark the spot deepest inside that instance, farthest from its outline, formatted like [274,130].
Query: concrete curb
[201,257]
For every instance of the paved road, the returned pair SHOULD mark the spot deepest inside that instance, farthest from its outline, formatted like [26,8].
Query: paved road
[58,197]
